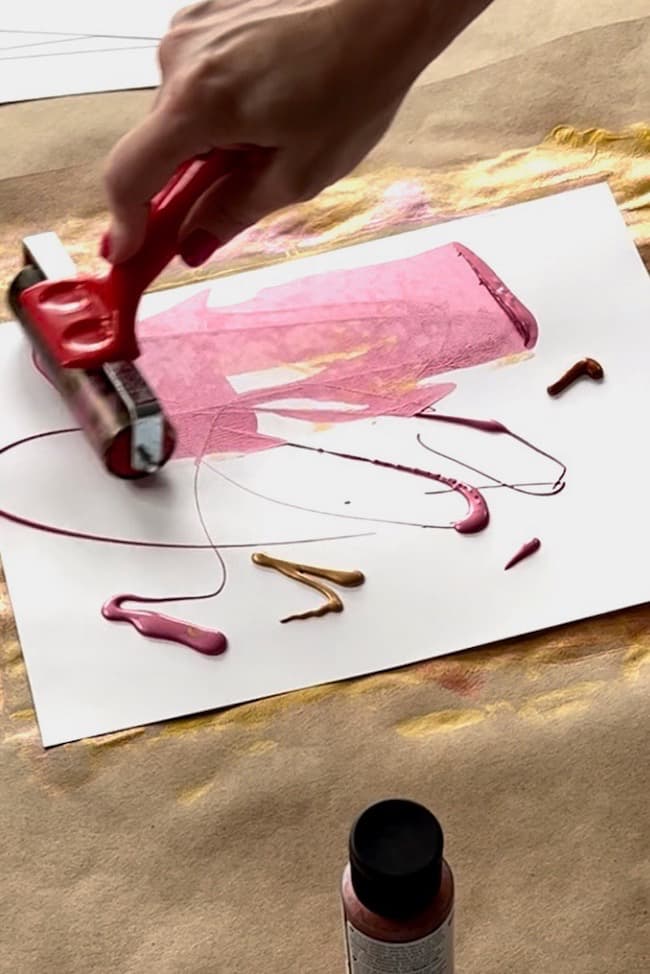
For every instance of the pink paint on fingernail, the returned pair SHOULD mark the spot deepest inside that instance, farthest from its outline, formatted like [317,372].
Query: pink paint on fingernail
[105,246]
[198,247]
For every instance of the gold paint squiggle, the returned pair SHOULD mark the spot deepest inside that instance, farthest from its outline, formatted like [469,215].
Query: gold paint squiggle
[301,573]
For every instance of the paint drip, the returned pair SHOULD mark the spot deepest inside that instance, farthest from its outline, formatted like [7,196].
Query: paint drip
[525,551]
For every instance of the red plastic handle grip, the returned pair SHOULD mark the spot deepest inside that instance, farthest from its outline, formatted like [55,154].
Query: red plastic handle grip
[86,322]
[127,281]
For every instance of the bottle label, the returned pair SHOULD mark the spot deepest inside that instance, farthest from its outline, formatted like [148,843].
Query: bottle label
[433,954]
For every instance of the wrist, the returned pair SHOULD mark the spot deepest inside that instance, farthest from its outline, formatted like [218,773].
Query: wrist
[444,20]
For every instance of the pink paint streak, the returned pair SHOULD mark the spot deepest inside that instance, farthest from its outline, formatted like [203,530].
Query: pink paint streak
[484,425]
[155,625]
[368,337]
[525,551]
[493,426]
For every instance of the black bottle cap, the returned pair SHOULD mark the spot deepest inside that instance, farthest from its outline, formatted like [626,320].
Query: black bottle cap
[396,858]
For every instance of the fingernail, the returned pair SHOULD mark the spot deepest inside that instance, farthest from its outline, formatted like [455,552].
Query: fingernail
[105,246]
[197,247]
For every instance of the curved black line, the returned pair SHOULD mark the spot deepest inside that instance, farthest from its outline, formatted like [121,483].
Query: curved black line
[46,528]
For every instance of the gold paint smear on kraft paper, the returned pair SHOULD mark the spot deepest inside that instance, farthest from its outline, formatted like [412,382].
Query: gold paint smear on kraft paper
[25,714]
[118,739]
[261,747]
[440,720]
[190,796]
[555,704]
[565,702]
[636,657]
[249,715]
[380,200]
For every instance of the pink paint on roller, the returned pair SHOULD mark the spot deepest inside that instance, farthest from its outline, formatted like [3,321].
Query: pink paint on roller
[525,551]
[155,625]
[369,337]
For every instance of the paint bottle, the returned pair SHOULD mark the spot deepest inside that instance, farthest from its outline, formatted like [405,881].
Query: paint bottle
[398,893]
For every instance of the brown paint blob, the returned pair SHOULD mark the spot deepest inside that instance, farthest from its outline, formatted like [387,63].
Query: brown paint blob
[587,367]
[308,575]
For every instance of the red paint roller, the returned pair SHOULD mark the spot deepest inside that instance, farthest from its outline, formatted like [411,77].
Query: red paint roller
[83,328]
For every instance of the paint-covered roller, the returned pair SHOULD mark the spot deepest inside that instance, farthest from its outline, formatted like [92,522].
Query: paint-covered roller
[113,403]
[82,329]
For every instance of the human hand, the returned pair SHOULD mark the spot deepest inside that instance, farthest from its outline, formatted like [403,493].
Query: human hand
[307,87]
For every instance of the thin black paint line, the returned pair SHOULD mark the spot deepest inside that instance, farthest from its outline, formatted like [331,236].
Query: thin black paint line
[499,486]
[69,533]
[431,414]
[67,33]
[315,510]
[102,50]
[408,524]
[54,40]
[557,487]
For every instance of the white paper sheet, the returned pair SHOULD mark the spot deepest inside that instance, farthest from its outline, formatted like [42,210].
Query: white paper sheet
[69,48]
[429,592]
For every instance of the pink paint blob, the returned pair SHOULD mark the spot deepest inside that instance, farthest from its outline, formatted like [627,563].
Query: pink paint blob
[525,551]
[369,337]
[155,625]
[484,425]
[478,516]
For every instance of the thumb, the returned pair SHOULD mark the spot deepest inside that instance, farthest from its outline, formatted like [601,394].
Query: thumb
[263,183]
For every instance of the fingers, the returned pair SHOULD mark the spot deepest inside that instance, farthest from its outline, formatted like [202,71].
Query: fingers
[137,168]
[266,181]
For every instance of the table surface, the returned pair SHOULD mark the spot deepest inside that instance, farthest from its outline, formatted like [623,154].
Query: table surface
[216,843]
